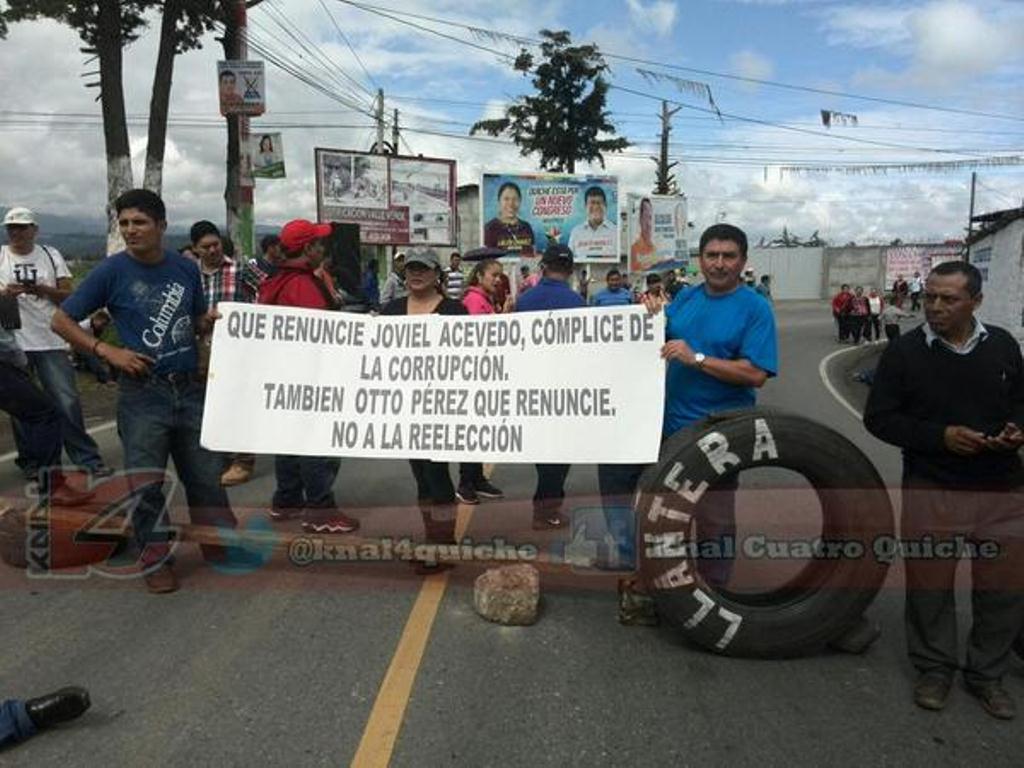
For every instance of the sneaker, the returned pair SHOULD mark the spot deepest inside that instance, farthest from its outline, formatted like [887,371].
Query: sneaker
[545,521]
[162,580]
[466,495]
[284,513]
[336,523]
[236,474]
[994,699]
[932,690]
[485,490]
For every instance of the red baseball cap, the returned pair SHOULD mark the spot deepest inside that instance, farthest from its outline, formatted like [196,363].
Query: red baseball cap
[296,234]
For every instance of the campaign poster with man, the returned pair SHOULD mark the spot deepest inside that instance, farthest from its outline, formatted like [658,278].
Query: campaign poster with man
[267,156]
[522,213]
[657,232]
[241,87]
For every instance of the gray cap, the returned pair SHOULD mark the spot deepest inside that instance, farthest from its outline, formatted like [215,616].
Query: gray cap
[425,256]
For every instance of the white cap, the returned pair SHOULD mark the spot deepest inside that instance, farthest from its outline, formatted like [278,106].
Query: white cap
[19,216]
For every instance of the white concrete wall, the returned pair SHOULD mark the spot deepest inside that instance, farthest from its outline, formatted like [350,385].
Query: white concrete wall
[1000,257]
[795,272]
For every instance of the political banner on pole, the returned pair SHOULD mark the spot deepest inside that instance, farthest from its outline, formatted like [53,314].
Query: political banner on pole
[241,87]
[395,200]
[583,385]
[657,232]
[523,212]
[267,156]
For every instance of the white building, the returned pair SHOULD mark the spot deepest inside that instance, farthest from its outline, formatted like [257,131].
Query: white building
[997,250]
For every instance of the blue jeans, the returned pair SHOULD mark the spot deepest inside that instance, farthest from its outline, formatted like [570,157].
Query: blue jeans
[26,404]
[15,724]
[158,419]
[57,377]
[305,483]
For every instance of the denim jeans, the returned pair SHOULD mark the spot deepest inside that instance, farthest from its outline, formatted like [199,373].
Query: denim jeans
[305,483]
[156,420]
[23,400]
[15,724]
[57,377]
[550,492]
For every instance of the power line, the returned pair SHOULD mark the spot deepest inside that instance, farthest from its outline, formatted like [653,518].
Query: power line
[706,72]
[349,44]
[739,118]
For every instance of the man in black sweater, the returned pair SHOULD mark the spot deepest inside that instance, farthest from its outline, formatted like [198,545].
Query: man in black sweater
[951,395]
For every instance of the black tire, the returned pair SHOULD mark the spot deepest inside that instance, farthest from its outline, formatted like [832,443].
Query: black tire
[830,593]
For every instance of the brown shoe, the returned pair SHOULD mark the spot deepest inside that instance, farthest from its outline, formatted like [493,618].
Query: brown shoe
[994,699]
[236,474]
[932,690]
[162,580]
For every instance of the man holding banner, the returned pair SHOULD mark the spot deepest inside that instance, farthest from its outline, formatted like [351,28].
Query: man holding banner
[552,292]
[305,484]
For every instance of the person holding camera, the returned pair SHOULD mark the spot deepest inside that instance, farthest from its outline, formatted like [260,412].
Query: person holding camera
[38,276]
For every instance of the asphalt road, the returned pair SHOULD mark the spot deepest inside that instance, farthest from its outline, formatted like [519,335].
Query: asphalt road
[333,663]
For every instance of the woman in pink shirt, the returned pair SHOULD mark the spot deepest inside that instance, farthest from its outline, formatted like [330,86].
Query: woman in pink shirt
[479,300]
[479,296]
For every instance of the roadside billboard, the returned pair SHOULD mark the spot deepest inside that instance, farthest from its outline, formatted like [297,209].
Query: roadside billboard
[523,212]
[657,232]
[395,200]
[904,260]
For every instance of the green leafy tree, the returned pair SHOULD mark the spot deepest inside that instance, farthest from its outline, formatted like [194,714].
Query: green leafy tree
[105,27]
[565,121]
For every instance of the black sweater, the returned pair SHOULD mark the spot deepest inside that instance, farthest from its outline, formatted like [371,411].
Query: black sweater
[920,390]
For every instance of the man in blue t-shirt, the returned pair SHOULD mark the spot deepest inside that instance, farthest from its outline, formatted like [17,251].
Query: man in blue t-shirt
[551,292]
[720,347]
[617,294]
[156,300]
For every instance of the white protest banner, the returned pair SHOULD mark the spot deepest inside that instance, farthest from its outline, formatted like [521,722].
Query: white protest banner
[573,386]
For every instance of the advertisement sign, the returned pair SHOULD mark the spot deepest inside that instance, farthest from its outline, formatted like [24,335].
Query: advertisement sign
[657,232]
[548,387]
[522,213]
[904,260]
[395,200]
[241,87]
[267,156]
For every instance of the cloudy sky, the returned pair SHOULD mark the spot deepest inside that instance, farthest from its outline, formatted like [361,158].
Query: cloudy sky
[963,56]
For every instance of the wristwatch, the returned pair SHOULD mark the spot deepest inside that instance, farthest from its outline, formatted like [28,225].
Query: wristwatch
[699,359]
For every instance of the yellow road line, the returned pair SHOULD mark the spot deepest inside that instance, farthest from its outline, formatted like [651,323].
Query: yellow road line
[385,721]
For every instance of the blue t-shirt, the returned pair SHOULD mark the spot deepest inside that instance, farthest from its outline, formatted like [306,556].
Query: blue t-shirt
[153,306]
[608,298]
[738,325]
[549,294]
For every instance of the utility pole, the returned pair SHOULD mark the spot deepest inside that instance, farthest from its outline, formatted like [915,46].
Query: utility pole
[665,181]
[394,134]
[238,193]
[379,148]
[970,217]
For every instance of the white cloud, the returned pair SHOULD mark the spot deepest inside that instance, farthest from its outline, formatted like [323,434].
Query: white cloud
[945,42]
[658,16]
[751,64]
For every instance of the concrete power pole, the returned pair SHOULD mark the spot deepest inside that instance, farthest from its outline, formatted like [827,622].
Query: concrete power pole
[665,181]
[238,195]
[970,217]
[394,135]
[379,114]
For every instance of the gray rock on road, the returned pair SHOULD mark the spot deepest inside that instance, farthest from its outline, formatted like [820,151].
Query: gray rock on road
[508,595]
